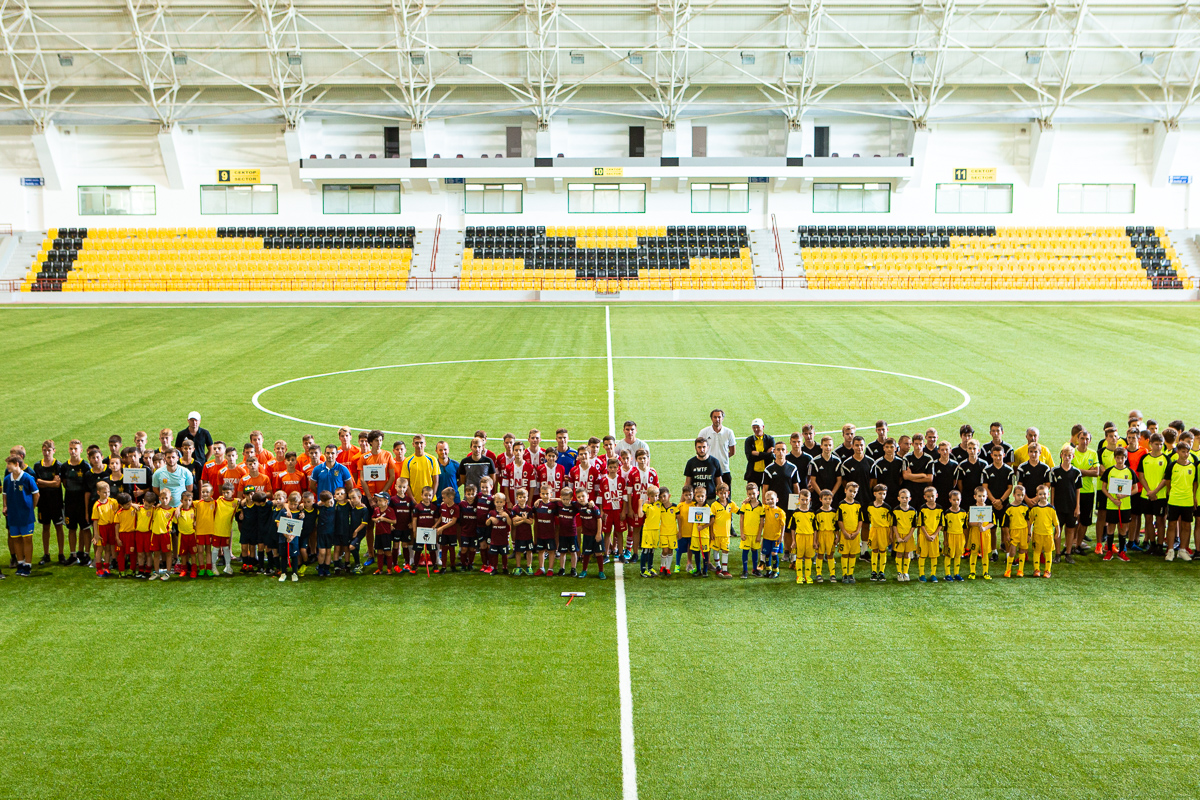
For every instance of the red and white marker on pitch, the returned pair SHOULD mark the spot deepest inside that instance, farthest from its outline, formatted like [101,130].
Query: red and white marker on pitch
[572,595]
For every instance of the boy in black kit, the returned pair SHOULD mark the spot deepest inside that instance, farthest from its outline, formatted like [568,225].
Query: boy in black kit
[468,528]
[403,530]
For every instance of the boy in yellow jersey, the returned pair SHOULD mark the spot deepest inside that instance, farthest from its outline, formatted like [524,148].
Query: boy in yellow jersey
[979,534]
[955,520]
[104,531]
[1151,472]
[879,532]
[850,525]
[930,521]
[721,522]
[1044,531]
[226,509]
[904,534]
[126,536]
[701,534]
[668,529]
[804,532]
[773,522]
[1180,490]
[145,515]
[160,536]
[205,509]
[1117,504]
[827,526]
[683,544]
[1016,530]
[651,525]
[185,521]
[750,518]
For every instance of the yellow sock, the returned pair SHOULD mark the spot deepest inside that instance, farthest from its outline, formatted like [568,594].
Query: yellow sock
[957,563]
[1021,562]
[984,559]
[921,566]
[945,565]
[1009,562]
[848,564]
[808,565]
[974,558]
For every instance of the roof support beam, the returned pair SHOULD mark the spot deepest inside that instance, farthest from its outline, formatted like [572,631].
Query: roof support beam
[1167,137]
[47,146]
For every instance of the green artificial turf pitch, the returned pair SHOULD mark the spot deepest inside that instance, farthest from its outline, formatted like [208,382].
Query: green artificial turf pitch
[469,686]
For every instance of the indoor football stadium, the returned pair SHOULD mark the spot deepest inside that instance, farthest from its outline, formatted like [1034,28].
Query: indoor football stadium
[505,400]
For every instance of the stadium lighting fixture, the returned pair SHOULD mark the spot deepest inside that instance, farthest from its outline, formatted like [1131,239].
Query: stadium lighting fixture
[294,59]
[180,59]
[1033,57]
[747,59]
[576,57]
[918,57]
[796,59]
[635,58]
[416,59]
[1147,58]
[466,59]
[66,61]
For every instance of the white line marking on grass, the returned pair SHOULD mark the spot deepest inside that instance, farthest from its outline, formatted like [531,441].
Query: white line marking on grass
[625,688]
[612,415]
[609,358]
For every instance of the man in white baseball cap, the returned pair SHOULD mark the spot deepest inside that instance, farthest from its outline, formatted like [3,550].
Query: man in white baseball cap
[758,451]
[201,439]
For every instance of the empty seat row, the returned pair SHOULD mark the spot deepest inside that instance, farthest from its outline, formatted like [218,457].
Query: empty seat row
[895,230]
[312,232]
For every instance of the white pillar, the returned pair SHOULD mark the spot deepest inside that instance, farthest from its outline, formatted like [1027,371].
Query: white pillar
[171,147]
[46,146]
[798,138]
[1167,136]
[1041,151]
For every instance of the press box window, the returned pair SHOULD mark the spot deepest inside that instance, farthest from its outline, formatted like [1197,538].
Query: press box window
[852,198]
[1095,198]
[493,198]
[720,198]
[606,198]
[257,198]
[973,198]
[116,201]
[351,199]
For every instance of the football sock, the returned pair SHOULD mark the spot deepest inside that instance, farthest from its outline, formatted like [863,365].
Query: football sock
[1122,541]
[808,566]
[1021,562]
[1008,563]
[745,561]
[505,557]
[957,562]
[921,567]
[972,560]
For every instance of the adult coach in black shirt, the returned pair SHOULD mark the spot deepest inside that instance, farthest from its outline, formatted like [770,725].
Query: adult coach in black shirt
[476,466]
[758,447]
[201,439]
[702,469]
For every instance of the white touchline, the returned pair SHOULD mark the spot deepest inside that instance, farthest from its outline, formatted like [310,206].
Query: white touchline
[609,357]
[624,681]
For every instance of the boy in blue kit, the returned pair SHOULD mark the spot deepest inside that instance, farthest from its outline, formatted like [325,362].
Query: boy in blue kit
[326,540]
[20,496]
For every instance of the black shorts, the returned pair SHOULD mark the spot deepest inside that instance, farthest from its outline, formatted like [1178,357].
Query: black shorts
[447,540]
[544,545]
[404,537]
[566,544]
[50,513]
[1181,513]
[498,549]
[383,542]
[523,546]
[1154,508]
[248,537]
[1066,517]
[326,541]
[75,512]
[1087,503]
[1136,503]
[468,541]
[590,545]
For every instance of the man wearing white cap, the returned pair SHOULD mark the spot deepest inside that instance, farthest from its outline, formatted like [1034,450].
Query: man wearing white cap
[201,439]
[722,443]
[759,445]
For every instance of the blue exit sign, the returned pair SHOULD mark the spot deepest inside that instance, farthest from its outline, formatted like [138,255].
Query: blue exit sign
[1180,180]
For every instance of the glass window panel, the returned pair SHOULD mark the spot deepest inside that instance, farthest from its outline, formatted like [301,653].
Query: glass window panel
[999,200]
[972,199]
[876,201]
[1120,198]
[337,199]
[633,198]
[387,199]
[825,198]
[91,200]
[238,200]
[850,199]
[579,198]
[212,199]
[606,199]
[700,199]
[1095,199]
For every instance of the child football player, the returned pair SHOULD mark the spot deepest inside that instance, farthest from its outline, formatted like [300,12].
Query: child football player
[750,524]
[929,525]
[904,534]
[979,535]
[668,530]
[1044,530]
[1016,531]
[850,531]
[955,532]
[879,532]
[804,537]
[827,535]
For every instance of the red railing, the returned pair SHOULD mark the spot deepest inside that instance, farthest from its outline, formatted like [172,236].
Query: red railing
[5,229]
[11,285]
[778,249]
[437,234]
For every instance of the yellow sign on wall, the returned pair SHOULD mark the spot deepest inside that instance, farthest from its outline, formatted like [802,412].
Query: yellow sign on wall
[239,176]
[608,172]
[975,174]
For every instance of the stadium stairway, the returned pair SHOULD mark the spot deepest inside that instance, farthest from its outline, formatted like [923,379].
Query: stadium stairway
[766,259]
[1188,249]
[23,249]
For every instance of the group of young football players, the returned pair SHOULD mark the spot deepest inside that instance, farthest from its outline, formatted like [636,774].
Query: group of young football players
[344,509]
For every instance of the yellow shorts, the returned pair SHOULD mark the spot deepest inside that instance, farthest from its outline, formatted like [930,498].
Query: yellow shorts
[877,538]
[721,544]
[825,542]
[749,543]
[905,547]
[1019,538]
[699,544]
[926,548]
[649,538]
[956,543]
[805,547]
[981,541]
[666,539]
[1043,543]
[851,546]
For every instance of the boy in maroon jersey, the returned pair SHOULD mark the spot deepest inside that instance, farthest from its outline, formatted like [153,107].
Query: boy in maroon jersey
[424,515]
[637,480]
[468,528]
[383,519]
[611,491]
[565,511]
[543,515]
[485,505]
[498,523]
[402,530]
[588,517]
[522,531]
[447,532]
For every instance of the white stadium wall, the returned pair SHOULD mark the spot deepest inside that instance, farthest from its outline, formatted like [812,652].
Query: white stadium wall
[132,155]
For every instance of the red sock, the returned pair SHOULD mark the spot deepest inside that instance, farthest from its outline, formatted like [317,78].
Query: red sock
[505,557]
[120,561]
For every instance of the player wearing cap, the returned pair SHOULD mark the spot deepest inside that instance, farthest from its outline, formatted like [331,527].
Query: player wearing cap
[202,440]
